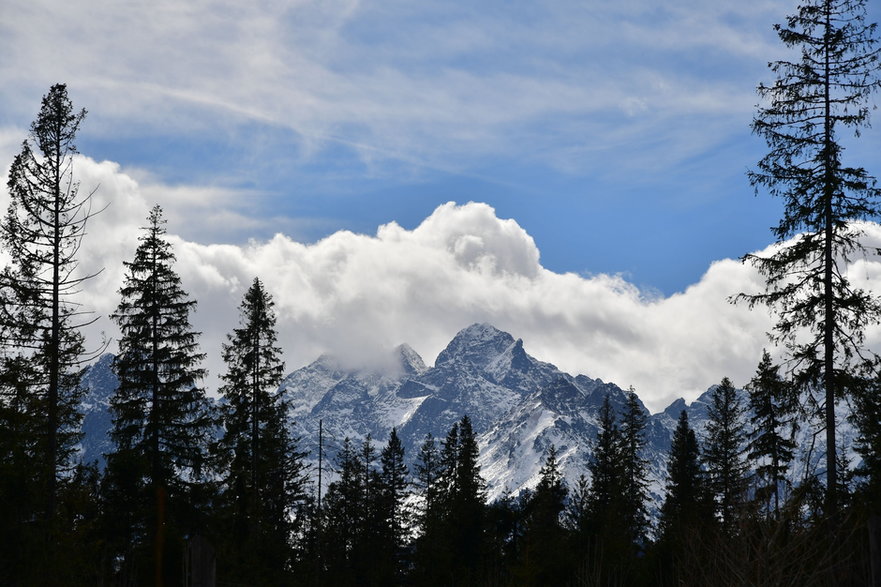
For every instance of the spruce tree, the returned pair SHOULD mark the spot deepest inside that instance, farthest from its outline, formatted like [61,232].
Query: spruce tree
[264,473]
[427,482]
[162,421]
[823,92]
[451,547]
[42,320]
[770,447]
[394,489]
[606,479]
[343,513]
[687,510]
[634,466]
[543,554]
[467,502]
[724,448]
[685,502]
[392,519]
[609,534]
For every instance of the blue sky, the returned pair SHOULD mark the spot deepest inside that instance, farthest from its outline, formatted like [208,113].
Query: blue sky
[616,135]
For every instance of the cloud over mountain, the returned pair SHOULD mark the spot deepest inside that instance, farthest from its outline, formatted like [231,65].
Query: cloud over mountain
[357,295]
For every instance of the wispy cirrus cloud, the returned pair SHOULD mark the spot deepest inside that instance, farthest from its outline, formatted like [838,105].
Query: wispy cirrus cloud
[439,83]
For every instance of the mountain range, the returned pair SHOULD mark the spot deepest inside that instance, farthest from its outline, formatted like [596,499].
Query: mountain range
[517,404]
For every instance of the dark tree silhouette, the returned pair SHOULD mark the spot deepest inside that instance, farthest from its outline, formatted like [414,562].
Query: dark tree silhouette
[42,232]
[724,448]
[264,471]
[771,445]
[821,314]
[162,422]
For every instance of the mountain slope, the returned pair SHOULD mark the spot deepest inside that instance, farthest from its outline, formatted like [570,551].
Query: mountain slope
[518,406]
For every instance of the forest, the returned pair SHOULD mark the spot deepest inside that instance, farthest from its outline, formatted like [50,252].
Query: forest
[207,488]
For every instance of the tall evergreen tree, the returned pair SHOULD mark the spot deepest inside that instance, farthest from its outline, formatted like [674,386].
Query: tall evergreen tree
[162,423]
[685,498]
[605,483]
[451,547]
[42,233]
[770,447]
[687,510]
[264,479]
[634,466]
[724,451]
[543,554]
[427,482]
[467,502]
[824,91]
[609,533]
[344,514]
[394,489]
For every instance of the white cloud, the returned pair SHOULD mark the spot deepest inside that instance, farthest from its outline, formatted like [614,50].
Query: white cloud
[358,295]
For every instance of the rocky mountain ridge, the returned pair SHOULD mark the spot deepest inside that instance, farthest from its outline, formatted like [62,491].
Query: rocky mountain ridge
[518,405]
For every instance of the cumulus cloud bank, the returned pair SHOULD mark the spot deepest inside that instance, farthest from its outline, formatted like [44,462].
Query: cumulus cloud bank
[359,295]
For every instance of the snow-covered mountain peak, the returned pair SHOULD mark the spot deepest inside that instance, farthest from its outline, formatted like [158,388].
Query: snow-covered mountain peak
[410,361]
[477,344]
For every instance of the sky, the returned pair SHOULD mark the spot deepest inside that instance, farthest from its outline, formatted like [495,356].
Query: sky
[571,172]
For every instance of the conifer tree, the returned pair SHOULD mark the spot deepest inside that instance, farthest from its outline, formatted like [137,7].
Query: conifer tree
[543,554]
[42,233]
[723,453]
[264,473]
[392,516]
[162,421]
[822,93]
[453,541]
[427,482]
[467,502]
[606,484]
[687,510]
[609,536]
[685,502]
[394,488]
[343,512]
[771,404]
[634,466]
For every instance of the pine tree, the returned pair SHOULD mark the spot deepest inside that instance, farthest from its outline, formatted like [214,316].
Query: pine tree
[451,547]
[685,499]
[606,485]
[264,479]
[822,316]
[687,511]
[161,418]
[394,488]
[393,521]
[467,502]
[609,534]
[343,512]
[771,404]
[543,554]
[427,482]
[723,453]
[634,466]
[42,321]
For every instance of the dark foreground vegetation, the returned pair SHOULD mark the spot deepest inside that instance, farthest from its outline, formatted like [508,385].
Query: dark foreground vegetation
[198,492]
